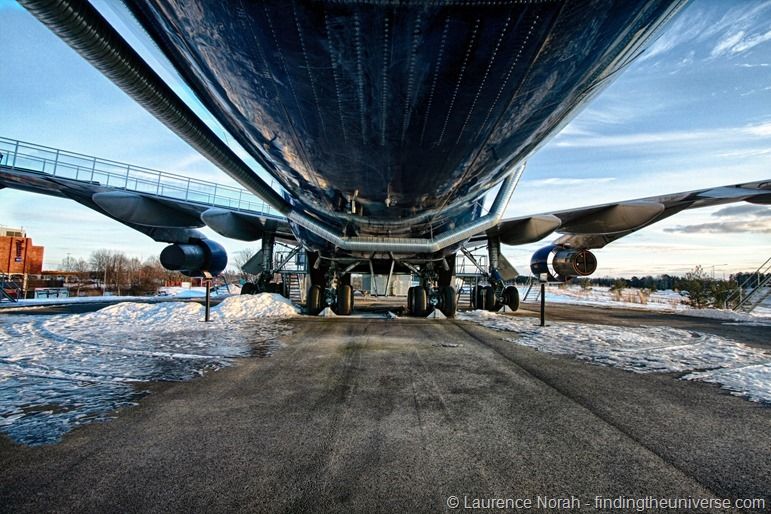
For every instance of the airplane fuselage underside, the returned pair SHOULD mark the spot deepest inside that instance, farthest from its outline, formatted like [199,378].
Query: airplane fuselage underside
[391,119]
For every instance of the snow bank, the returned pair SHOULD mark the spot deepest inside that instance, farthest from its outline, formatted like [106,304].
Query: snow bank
[167,315]
[131,312]
[264,305]
[742,369]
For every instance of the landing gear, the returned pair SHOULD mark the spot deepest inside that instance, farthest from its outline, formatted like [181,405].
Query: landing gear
[424,299]
[262,265]
[495,293]
[330,287]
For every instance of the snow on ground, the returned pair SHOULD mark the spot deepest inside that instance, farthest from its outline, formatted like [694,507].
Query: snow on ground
[265,305]
[741,369]
[631,298]
[58,372]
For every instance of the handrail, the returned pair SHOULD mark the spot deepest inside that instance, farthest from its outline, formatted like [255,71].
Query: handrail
[752,293]
[17,154]
[763,269]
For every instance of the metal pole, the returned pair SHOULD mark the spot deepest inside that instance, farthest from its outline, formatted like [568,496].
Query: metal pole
[390,274]
[56,163]
[374,280]
[543,304]
[208,299]
[15,153]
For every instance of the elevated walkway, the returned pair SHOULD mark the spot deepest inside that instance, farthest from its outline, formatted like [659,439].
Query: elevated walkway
[33,158]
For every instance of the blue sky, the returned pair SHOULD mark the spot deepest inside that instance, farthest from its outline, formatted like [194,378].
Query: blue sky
[693,112]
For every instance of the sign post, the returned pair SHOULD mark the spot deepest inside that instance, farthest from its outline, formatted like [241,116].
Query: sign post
[543,278]
[207,277]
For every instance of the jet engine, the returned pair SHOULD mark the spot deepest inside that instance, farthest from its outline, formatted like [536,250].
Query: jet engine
[560,263]
[195,258]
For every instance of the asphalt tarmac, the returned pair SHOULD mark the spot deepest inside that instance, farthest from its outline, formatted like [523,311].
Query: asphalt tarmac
[374,415]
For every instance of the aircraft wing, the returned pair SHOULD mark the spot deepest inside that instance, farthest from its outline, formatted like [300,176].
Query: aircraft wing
[599,225]
[165,218]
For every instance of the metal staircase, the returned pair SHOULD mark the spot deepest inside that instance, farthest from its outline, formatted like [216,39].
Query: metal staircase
[467,276]
[753,291]
[533,290]
[296,283]
[292,265]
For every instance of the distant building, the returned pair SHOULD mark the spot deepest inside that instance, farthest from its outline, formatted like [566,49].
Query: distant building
[18,256]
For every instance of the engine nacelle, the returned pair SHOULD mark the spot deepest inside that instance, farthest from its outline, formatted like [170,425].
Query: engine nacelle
[195,258]
[560,263]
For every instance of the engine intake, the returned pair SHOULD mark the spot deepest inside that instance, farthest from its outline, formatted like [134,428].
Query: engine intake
[195,258]
[560,263]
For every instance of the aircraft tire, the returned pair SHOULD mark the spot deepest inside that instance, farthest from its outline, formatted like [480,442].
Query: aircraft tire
[314,303]
[449,302]
[511,297]
[247,288]
[344,300]
[491,304]
[409,300]
[480,298]
[419,301]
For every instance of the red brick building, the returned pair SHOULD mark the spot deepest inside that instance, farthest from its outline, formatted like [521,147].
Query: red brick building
[17,253]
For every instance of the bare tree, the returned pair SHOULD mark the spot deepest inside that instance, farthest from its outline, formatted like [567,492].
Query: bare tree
[239,259]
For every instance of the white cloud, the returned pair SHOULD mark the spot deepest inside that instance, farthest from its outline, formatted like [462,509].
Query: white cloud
[557,181]
[722,135]
[727,43]
[751,42]
[737,27]
[739,42]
